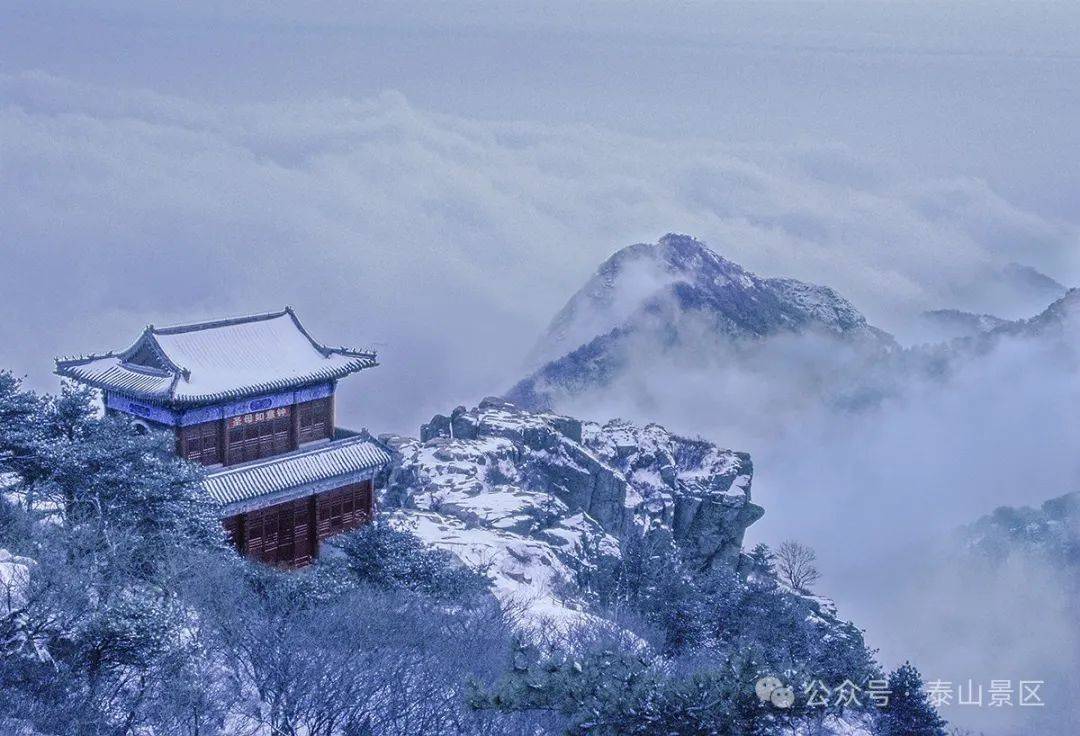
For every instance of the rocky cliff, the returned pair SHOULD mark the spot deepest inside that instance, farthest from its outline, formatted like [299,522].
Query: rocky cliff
[536,498]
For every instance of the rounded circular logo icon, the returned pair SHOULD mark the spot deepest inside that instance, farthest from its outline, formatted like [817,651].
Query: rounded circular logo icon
[766,686]
[783,697]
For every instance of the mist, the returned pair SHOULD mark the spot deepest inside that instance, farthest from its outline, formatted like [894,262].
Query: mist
[436,239]
[435,183]
[875,460]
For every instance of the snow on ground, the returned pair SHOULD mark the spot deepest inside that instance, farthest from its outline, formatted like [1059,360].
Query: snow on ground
[850,725]
[14,579]
[535,499]
[471,498]
[527,573]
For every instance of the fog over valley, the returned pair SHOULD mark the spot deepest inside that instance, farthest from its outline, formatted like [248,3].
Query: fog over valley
[840,237]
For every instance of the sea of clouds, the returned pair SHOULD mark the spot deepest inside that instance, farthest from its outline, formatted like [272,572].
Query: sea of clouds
[443,241]
[448,242]
[876,461]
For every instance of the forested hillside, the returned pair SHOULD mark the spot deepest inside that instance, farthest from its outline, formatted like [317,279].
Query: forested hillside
[125,612]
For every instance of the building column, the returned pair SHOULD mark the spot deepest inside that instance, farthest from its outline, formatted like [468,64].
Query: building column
[313,524]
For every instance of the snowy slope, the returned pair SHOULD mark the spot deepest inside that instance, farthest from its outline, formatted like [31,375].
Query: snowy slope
[535,499]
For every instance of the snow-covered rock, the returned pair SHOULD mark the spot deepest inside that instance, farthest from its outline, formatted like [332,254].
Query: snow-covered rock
[17,637]
[14,579]
[535,499]
[659,296]
[700,491]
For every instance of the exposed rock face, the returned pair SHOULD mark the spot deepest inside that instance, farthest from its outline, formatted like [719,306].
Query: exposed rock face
[655,297]
[697,489]
[545,453]
[536,498]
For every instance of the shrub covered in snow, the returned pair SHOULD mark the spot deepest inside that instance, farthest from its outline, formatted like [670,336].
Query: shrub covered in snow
[385,557]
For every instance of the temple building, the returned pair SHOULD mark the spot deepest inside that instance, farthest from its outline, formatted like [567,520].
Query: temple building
[252,399]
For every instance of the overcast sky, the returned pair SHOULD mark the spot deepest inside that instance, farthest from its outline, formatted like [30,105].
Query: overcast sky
[436,180]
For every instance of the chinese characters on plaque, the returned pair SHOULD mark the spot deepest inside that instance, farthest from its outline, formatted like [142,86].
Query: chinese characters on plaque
[259,416]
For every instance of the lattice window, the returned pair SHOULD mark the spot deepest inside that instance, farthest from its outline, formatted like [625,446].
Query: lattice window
[314,420]
[281,534]
[201,443]
[343,509]
[259,434]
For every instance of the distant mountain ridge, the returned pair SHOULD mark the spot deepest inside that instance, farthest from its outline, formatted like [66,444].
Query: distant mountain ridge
[1031,283]
[962,323]
[1061,313]
[664,295]
[1014,285]
[1052,531]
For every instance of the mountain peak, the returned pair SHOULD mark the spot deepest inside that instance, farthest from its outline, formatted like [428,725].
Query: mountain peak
[684,245]
[684,254]
[1032,280]
[656,290]
[628,280]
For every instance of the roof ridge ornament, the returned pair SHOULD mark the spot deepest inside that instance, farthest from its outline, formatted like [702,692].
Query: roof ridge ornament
[83,358]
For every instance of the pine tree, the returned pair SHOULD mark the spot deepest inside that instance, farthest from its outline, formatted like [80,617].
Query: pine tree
[102,632]
[111,483]
[20,430]
[763,559]
[909,712]
[378,554]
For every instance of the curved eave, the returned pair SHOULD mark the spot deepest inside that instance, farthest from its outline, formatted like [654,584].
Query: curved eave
[132,380]
[116,377]
[299,472]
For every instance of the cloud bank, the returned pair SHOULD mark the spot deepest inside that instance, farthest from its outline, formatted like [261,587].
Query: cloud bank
[875,462]
[445,242]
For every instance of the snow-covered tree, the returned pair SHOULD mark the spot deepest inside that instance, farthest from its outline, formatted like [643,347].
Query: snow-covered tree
[909,712]
[20,431]
[763,559]
[379,555]
[99,637]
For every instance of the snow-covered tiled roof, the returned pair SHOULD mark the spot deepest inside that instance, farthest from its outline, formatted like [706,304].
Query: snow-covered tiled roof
[212,361]
[296,470]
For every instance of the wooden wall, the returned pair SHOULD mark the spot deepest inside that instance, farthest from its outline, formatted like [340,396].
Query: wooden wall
[257,435]
[288,534]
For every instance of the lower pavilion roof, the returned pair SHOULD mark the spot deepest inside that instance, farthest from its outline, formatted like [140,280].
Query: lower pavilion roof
[214,361]
[308,470]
